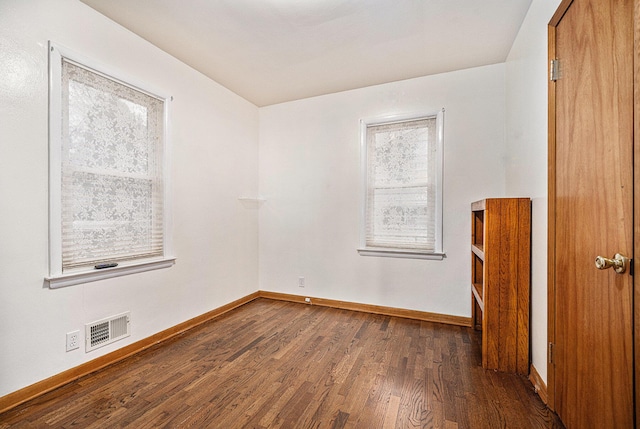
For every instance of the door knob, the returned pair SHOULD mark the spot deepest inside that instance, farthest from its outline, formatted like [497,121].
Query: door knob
[619,263]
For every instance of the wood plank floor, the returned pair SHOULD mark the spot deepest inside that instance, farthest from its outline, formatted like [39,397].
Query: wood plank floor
[273,364]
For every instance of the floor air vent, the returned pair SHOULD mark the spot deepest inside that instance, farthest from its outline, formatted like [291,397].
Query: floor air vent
[106,331]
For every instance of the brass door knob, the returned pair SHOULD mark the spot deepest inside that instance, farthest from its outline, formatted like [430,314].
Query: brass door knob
[619,263]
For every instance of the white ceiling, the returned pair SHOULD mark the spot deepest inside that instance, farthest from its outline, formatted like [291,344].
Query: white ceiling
[272,51]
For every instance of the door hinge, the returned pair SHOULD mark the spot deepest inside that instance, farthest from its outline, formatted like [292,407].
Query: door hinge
[554,70]
[550,353]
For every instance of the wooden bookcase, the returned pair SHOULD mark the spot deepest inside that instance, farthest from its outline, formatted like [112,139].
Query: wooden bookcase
[500,281]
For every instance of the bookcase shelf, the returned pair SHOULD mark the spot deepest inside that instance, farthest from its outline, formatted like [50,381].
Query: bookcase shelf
[500,281]
[478,249]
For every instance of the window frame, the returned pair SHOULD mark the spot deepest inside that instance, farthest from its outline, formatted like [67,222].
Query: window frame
[438,253]
[57,277]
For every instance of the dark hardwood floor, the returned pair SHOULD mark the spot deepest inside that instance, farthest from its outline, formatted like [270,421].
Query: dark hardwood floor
[273,364]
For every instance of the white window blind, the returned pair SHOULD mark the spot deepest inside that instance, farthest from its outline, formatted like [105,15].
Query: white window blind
[403,164]
[109,209]
[112,178]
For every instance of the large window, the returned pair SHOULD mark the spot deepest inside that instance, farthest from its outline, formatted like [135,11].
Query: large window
[402,187]
[108,205]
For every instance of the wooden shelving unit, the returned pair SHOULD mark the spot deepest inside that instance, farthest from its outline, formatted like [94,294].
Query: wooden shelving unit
[500,281]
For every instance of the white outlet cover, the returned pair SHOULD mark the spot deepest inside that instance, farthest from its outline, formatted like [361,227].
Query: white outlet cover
[73,340]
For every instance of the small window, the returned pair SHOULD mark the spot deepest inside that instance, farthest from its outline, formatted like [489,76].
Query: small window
[108,201]
[402,198]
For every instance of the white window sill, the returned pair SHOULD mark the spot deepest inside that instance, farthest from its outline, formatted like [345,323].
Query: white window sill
[71,279]
[399,253]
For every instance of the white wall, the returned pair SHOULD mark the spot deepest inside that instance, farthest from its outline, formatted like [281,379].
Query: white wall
[310,177]
[214,135]
[526,101]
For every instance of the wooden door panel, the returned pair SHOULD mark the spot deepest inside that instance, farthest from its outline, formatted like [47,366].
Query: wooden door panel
[636,202]
[594,214]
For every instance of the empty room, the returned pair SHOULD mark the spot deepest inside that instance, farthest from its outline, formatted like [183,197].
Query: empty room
[319,213]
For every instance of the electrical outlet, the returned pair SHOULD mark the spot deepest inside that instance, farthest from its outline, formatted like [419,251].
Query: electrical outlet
[73,340]
[301,281]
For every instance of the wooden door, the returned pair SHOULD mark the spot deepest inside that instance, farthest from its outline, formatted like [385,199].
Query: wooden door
[591,213]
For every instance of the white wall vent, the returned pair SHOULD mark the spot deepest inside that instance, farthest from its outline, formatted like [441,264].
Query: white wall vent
[106,331]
